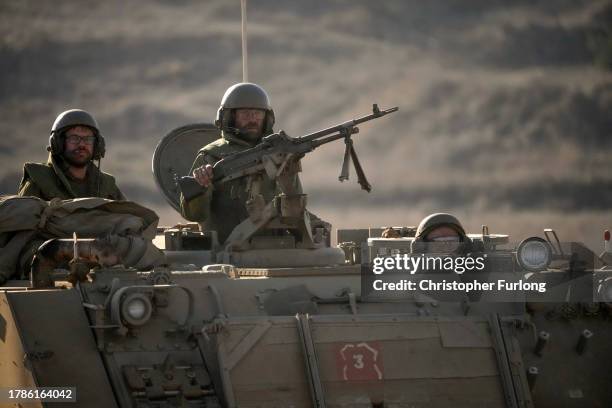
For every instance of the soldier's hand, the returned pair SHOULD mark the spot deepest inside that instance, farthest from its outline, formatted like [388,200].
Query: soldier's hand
[204,175]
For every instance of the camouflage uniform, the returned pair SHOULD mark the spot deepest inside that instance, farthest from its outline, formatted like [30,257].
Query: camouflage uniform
[51,180]
[223,206]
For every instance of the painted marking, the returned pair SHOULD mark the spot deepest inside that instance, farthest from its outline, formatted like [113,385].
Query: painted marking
[359,361]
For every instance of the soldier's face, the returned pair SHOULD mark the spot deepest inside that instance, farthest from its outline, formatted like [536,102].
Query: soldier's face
[250,122]
[443,239]
[443,234]
[79,145]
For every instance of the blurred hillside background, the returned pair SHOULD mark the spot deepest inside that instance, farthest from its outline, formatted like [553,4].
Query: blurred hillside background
[505,106]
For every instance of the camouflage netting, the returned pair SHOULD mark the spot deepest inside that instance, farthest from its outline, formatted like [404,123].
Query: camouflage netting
[26,222]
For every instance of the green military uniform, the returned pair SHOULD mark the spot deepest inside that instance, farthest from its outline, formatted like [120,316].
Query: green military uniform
[51,180]
[223,206]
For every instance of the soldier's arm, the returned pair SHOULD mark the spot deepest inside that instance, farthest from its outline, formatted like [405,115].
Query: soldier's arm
[198,209]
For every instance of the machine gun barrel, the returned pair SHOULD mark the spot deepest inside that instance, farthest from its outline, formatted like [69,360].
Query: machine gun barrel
[376,113]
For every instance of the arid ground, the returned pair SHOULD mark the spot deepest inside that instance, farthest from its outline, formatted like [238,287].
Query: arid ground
[505,106]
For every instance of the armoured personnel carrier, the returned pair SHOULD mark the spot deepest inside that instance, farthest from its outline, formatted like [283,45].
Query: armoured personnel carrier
[287,320]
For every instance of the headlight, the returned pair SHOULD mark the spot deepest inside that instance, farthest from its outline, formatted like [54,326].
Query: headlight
[534,254]
[136,309]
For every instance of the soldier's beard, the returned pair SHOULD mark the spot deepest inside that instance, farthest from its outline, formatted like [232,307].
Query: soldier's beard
[251,135]
[252,132]
[75,159]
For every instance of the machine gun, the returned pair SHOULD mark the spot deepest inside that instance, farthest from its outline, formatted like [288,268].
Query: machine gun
[278,146]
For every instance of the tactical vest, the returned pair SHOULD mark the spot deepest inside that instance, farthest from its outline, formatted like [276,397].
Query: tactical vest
[54,185]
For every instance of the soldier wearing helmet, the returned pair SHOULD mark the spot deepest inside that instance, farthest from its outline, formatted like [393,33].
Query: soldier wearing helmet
[244,117]
[440,232]
[74,143]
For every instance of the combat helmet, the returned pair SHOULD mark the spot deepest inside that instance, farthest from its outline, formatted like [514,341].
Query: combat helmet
[69,119]
[437,220]
[434,221]
[244,95]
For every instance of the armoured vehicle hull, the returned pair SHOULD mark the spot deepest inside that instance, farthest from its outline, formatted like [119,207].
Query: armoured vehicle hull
[278,323]
[236,335]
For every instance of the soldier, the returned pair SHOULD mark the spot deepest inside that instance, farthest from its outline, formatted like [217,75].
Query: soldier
[440,232]
[244,117]
[440,227]
[74,143]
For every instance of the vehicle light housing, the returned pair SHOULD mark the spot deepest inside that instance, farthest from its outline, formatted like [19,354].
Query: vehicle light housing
[136,309]
[534,254]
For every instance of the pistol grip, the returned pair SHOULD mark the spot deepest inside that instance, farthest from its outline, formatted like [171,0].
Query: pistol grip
[190,187]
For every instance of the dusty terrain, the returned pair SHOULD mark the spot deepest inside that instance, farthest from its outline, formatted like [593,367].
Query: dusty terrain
[504,114]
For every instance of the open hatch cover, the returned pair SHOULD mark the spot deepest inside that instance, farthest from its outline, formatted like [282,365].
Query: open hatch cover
[174,156]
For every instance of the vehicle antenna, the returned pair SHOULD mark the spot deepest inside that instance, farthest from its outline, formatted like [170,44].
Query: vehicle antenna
[245,59]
